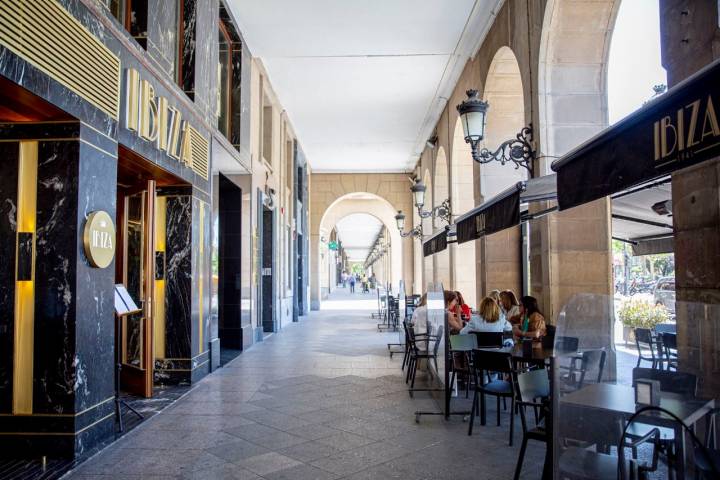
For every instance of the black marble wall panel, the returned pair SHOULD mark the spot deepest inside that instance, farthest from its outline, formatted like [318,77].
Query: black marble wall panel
[163,34]
[9,153]
[178,282]
[206,57]
[94,307]
[230,263]
[55,277]
[187,47]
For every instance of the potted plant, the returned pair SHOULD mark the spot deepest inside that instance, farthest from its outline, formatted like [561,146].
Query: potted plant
[636,313]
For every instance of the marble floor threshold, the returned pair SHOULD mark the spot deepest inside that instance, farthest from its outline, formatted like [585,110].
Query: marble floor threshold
[54,468]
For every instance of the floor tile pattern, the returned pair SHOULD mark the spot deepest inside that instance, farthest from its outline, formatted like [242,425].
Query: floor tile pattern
[320,400]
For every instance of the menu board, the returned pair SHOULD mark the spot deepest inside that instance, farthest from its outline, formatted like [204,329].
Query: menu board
[124,304]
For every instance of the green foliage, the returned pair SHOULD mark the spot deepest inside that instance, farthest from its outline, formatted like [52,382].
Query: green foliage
[641,313]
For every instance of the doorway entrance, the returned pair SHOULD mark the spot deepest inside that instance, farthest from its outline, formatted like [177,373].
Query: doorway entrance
[267,257]
[229,264]
[140,266]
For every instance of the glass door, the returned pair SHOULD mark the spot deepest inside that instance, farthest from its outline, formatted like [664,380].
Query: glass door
[138,275]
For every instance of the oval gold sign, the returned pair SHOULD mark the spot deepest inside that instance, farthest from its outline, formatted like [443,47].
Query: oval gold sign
[99,239]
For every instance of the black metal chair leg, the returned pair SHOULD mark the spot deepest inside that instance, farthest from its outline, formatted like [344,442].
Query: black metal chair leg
[472,414]
[512,420]
[498,411]
[521,458]
[482,408]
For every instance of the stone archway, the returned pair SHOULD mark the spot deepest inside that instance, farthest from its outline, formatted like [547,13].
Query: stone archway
[440,193]
[572,78]
[391,190]
[499,261]
[462,200]
[571,251]
[427,228]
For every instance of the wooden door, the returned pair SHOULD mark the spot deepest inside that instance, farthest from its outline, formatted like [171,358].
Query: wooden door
[138,275]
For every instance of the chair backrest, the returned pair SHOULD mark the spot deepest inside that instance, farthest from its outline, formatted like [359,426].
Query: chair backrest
[438,339]
[592,361]
[548,341]
[567,344]
[492,361]
[643,335]
[669,340]
[676,382]
[489,339]
[533,384]
[666,328]
[463,343]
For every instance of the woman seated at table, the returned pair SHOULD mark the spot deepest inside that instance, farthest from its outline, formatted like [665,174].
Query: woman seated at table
[495,295]
[509,304]
[531,323]
[455,324]
[419,315]
[464,308]
[490,319]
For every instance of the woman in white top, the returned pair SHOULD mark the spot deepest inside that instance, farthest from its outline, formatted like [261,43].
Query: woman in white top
[509,305]
[489,320]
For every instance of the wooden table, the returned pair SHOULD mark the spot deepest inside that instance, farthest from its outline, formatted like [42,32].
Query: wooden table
[620,400]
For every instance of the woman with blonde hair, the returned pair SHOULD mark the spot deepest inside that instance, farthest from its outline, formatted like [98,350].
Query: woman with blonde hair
[490,319]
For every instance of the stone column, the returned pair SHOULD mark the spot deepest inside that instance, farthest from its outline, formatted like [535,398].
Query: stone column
[690,40]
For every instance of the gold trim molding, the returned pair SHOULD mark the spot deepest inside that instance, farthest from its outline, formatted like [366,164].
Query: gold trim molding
[51,39]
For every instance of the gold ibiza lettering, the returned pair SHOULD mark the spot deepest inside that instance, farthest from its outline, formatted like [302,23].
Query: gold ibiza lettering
[695,108]
[174,133]
[162,131]
[132,82]
[155,120]
[148,112]
[710,120]
[665,125]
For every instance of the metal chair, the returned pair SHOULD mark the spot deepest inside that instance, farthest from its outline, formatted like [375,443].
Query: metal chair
[675,382]
[416,354]
[460,345]
[530,386]
[566,344]
[590,361]
[707,459]
[548,341]
[669,345]
[497,362]
[581,429]
[644,341]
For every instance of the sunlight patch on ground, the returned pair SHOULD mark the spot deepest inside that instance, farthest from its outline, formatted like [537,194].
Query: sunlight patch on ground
[349,304]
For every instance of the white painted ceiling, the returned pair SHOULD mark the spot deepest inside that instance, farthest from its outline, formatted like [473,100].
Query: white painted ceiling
[363,82]
[357,232]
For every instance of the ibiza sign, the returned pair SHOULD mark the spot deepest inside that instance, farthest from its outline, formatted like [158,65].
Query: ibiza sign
[99,239]
[691,130]
[155,120]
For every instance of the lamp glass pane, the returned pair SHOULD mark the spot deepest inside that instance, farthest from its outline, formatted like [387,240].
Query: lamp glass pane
[474,125]
[400,223]
[419,198]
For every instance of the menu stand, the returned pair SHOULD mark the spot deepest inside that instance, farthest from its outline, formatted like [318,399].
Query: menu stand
[124,306]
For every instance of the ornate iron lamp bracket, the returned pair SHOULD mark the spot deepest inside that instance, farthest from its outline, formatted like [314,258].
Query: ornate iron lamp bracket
[518,151]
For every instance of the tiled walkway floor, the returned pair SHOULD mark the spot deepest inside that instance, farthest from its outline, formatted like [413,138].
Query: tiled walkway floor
[320,400]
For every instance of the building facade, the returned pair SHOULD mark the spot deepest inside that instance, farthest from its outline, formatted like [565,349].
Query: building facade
[142,147]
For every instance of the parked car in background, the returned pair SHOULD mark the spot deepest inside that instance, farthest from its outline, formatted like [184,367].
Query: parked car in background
[664,293]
